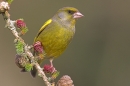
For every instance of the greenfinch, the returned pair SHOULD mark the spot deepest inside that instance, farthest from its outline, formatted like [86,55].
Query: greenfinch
[56,33]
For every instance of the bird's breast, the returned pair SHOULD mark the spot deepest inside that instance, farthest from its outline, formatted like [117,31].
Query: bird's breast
[55,40]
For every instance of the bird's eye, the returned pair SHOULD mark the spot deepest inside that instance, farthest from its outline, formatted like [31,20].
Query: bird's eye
[70,12]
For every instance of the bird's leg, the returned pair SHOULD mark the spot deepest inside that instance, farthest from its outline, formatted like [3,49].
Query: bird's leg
[51,60]
[52,67]
[49,68]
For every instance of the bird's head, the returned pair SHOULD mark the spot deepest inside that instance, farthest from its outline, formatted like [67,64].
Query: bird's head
[68,14]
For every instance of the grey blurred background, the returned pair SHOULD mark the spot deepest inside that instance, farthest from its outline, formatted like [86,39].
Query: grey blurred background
[99,54]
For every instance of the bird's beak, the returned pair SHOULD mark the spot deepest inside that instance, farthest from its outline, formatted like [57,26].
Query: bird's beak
[77,15]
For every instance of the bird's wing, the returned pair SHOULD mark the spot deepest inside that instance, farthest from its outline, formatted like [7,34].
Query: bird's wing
[43,27]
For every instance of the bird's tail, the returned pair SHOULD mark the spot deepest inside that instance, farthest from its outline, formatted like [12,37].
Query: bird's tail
[34,71]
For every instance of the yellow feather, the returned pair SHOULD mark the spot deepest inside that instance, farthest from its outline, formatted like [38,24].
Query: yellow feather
[43,27]
[46,23]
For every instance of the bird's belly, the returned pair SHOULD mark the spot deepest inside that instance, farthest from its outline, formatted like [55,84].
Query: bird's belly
[54,44]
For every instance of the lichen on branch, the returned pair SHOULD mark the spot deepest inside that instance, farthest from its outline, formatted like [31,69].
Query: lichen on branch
[24,57]
[21,46]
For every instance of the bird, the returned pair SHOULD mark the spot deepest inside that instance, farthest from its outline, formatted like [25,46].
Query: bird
[57,33]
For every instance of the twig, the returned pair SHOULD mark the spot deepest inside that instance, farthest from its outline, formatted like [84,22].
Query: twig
[10,24]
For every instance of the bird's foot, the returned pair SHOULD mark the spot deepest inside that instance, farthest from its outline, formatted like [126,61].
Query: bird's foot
[49,68]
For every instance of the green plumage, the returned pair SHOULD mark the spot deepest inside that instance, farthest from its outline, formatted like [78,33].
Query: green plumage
[56,33]
[55,38]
